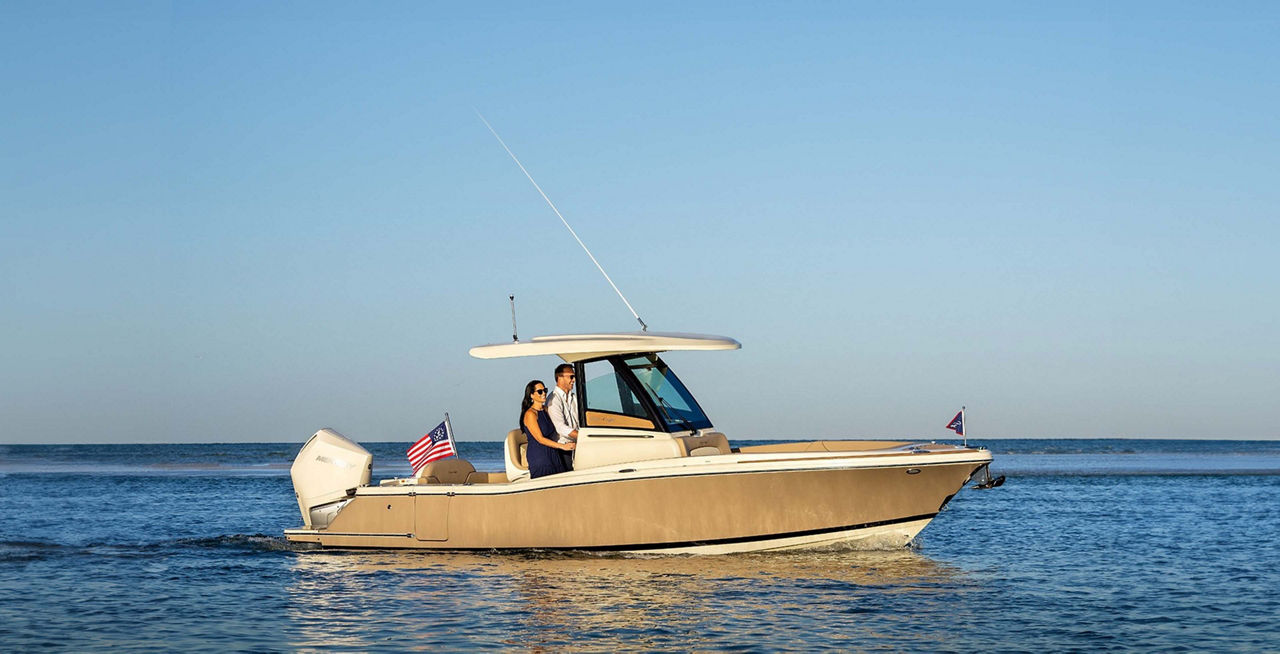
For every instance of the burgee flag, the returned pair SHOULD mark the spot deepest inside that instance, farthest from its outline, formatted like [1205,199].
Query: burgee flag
[957,423]
[437,444]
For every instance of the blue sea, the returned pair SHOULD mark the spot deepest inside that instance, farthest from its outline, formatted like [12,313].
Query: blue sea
[1099,545]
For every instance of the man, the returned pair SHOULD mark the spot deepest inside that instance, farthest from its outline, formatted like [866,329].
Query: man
[562,408]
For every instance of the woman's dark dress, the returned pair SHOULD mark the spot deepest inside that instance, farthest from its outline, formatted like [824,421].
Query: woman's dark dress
[543,460]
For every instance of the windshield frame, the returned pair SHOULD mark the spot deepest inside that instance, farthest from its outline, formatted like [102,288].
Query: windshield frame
[658,415]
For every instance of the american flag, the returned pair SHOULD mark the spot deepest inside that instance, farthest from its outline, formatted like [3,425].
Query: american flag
[437,444]
[957,423]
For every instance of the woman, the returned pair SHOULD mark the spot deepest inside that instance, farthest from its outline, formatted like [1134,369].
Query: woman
[542,456]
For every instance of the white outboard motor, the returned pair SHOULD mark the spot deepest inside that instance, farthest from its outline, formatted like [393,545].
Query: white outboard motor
[326,473]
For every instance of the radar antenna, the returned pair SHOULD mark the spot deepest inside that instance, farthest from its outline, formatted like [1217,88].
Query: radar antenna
[643,327]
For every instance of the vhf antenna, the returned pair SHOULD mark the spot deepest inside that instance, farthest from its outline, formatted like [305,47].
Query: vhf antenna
[514,338]
[643,327]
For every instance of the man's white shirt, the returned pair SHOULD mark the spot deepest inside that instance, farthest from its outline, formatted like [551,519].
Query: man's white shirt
[563,409]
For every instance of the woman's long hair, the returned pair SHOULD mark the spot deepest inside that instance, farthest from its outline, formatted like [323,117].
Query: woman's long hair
[527,401]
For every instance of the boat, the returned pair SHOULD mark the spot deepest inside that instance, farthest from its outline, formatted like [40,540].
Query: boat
[651,474]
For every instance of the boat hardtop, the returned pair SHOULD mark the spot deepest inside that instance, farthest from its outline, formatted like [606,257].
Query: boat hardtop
[576,347]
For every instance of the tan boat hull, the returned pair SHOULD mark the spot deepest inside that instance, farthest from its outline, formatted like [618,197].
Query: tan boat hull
[709,512]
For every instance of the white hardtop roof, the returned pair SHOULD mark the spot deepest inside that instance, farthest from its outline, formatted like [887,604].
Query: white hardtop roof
[575,347]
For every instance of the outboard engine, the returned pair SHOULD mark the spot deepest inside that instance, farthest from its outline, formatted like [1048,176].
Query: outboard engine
[325,475]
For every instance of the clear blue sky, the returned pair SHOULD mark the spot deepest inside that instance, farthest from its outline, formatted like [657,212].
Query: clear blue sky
[245,221]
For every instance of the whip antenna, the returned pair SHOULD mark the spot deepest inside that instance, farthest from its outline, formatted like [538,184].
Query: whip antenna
[514,338]
[643,327]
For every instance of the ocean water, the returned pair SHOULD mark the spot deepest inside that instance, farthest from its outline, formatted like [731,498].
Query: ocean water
[1100,545]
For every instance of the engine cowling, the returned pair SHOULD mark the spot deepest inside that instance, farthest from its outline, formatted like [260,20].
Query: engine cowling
[328,470]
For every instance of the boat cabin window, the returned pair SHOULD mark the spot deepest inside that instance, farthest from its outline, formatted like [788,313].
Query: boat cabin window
[609,399]
[638,391]
[671,399]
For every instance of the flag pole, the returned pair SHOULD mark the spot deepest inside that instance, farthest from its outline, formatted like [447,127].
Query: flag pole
[448,429]
[964,422]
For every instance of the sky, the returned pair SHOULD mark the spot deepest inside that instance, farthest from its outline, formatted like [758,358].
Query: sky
[245,221]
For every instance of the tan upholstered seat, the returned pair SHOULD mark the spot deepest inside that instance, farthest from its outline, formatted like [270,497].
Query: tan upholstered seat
[517,448]
[446,471]
[708,444]
[487,478]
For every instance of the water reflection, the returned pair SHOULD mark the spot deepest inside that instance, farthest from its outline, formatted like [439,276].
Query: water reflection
[542,601]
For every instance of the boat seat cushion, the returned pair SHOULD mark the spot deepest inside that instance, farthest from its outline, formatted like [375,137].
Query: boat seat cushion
[517,447]
[446,471]
[707,444]
[487,478]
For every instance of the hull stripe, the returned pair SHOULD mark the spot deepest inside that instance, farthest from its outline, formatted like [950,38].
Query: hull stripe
[657,546]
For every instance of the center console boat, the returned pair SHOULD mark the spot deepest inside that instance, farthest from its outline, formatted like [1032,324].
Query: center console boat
[651,474]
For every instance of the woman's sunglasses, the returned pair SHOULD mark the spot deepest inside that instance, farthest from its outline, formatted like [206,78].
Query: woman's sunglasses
[540,391]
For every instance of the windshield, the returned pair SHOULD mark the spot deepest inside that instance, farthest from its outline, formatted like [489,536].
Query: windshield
[609,399]
[674,403]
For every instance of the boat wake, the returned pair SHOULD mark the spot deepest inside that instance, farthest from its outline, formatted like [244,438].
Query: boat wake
[250,542]
[20,551]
